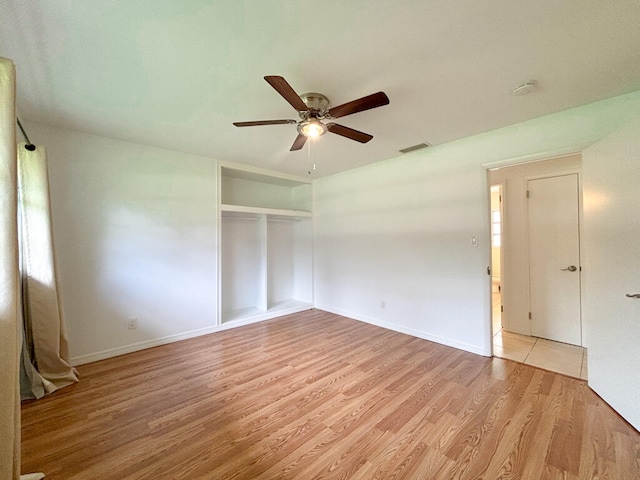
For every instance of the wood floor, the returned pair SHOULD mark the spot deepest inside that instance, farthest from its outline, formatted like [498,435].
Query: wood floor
[315,395]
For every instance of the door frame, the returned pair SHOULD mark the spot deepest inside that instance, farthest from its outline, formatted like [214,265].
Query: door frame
[511,287]
[503,239]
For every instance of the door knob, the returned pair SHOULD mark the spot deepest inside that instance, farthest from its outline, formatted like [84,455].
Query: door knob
[570,268]
[633,295]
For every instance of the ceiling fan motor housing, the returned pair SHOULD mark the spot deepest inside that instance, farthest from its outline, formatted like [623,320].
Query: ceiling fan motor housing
[317,104]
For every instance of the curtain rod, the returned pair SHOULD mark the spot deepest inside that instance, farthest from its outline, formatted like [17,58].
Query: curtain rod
[29,146]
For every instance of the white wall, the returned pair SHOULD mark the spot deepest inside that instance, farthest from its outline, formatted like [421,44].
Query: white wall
[135,236]
[399,231]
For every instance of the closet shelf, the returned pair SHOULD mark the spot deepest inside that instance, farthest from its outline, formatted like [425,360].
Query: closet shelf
[264,211]
[285,307]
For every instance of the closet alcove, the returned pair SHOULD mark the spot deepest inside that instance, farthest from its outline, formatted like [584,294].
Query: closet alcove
[266,244]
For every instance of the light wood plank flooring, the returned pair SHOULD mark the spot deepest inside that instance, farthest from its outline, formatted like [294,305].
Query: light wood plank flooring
[318,396]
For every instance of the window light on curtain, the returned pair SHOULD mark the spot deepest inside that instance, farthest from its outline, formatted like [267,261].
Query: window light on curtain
[44,366]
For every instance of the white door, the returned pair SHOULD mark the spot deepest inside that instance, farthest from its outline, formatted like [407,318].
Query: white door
[611,172]
[554,258]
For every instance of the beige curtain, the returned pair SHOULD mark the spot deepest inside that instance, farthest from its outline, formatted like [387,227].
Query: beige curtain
[45,354]
[10,306]
[9,339]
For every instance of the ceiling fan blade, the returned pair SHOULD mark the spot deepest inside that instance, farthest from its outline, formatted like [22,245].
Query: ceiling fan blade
[349,132]
[298,143]
[365,103]
[289,94]
[264,122]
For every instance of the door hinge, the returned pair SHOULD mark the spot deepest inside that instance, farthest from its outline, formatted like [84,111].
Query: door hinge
[528,194]
[502,308]
[529,315]
[488,270]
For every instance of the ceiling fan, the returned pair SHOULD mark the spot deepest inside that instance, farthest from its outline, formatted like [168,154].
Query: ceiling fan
[313,108]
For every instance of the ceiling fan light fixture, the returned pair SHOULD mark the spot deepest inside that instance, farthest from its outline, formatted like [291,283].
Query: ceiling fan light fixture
[312,128]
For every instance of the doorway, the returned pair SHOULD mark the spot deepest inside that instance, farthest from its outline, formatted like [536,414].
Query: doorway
[496,258]
[515,336]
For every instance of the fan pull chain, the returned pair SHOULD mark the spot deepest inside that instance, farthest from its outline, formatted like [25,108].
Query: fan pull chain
[311,140]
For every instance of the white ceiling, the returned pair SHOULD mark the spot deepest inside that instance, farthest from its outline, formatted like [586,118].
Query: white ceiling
[177,74]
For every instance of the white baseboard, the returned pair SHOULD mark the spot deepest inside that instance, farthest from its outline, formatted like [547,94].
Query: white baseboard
[408,331]
[134,347]
[155,342]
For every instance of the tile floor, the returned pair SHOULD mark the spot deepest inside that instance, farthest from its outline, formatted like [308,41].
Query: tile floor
[557,357]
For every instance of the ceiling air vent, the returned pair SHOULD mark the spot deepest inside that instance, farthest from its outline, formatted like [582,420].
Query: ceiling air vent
[415,147]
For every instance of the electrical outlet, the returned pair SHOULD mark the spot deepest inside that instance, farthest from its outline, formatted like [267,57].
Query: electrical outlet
[132,323]
[383,305]
[474,241]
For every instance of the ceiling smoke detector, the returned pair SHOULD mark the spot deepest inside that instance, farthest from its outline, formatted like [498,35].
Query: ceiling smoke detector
[525,88]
